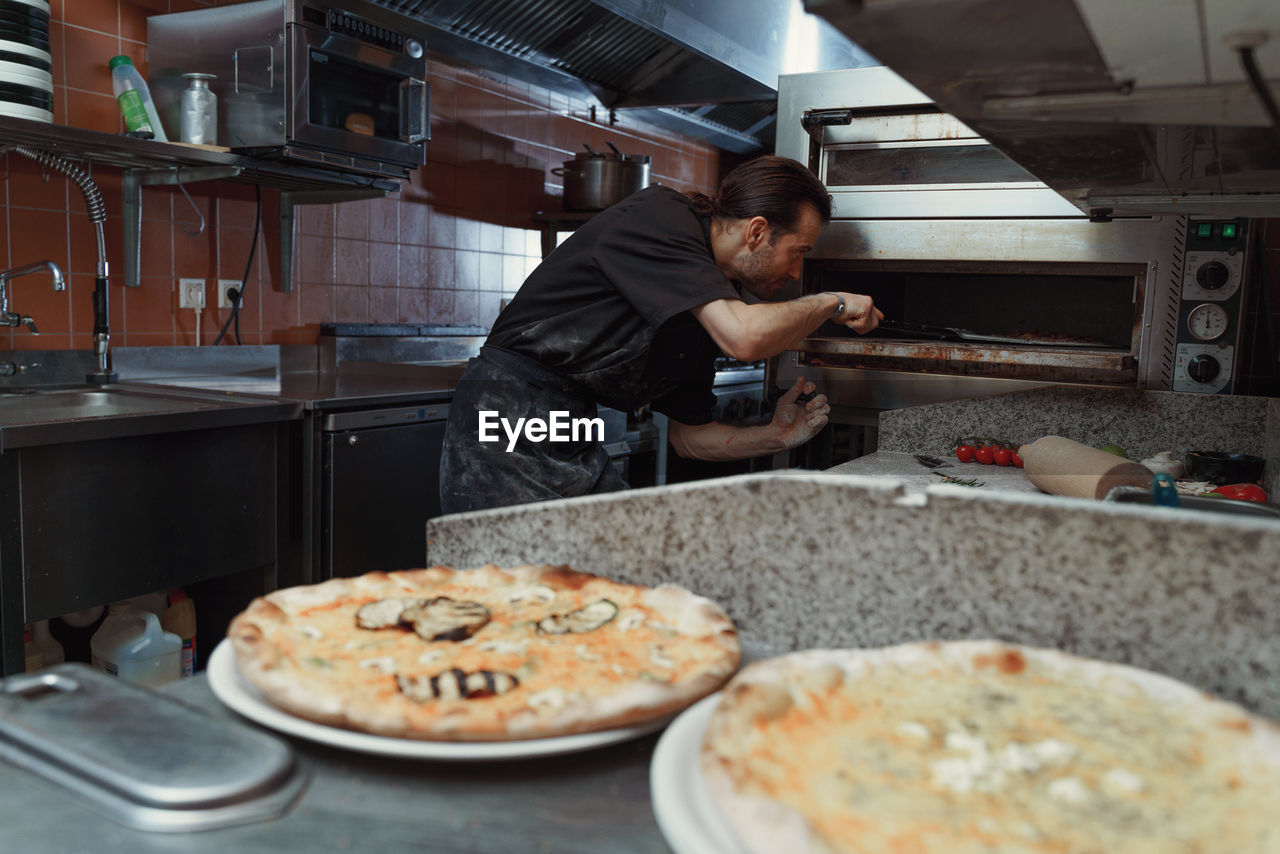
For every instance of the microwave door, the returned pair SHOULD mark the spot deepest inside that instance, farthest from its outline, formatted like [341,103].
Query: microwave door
[349,99]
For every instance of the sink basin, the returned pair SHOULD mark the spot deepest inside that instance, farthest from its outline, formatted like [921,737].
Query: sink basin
[73,404]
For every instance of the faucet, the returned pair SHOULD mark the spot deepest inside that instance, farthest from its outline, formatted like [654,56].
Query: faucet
[97,216]
[9,318]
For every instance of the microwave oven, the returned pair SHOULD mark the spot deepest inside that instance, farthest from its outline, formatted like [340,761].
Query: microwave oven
[339,84]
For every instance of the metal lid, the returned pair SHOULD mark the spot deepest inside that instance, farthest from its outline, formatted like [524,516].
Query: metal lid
[142,758]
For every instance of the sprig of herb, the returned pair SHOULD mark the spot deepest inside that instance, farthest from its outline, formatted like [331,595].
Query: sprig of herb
[958,481]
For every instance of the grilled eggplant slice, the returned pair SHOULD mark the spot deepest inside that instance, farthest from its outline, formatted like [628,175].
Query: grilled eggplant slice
[445,619]
[385,613]
[456,684]
[588,618]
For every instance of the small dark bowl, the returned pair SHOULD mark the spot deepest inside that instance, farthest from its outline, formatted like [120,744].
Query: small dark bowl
[1220,468]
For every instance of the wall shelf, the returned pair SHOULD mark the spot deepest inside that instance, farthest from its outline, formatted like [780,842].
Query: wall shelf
[147,163]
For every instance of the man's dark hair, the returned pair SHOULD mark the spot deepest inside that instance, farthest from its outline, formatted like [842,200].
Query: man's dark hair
[770,186]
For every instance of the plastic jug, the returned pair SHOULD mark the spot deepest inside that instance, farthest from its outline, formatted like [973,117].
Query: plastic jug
[131,645]
[136,105]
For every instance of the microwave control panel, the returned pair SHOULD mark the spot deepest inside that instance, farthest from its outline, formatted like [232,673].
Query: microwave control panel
[1210,307]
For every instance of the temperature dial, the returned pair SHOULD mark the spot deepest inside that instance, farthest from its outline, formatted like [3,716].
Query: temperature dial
[1212,275]
[1203,368]
[1207,322]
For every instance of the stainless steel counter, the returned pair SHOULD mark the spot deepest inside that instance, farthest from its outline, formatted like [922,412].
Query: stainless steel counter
[591,802]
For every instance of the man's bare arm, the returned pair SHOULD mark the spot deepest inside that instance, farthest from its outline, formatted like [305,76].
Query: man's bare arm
[762,330]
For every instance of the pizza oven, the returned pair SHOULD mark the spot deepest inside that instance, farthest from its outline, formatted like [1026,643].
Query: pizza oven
[989,280]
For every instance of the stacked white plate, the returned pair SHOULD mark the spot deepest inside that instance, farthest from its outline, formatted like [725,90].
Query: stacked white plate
[26,62]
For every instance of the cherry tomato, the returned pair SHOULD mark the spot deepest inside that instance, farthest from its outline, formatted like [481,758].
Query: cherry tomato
[1002,456]
[1015,459]
[1243,492]
[984,454]
[964,453]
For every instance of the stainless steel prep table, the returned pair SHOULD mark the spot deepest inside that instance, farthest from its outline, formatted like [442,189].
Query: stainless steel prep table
[363,492]
[595,801]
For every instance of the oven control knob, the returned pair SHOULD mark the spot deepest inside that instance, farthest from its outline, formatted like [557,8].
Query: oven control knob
[413,47]
[1203,368]
[1212,275]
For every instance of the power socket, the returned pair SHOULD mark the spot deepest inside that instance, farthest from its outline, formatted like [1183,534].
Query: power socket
[191,293]
[224,301]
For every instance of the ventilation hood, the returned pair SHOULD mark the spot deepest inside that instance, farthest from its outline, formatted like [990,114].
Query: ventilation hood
[1122,106]
[704,68]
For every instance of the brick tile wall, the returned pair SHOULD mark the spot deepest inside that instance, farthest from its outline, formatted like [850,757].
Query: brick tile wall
[457,239]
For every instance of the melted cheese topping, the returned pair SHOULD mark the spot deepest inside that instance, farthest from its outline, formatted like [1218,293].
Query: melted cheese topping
[324,643]
[899,760]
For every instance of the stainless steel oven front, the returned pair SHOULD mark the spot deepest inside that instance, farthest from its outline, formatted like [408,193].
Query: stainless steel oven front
[943,230]
[338,84]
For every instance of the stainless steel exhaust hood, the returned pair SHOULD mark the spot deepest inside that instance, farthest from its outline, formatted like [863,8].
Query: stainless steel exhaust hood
[1122,106]
[705,68]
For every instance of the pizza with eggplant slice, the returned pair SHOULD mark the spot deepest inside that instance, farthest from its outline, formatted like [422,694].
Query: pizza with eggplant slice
[485,654]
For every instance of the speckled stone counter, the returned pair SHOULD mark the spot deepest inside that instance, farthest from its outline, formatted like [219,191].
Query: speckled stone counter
[1141,422]
[811,560]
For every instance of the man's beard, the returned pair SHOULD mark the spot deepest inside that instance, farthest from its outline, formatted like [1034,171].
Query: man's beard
[756,273]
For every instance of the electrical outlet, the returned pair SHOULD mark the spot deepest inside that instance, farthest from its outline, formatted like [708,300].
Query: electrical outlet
[190,293]
[224,301]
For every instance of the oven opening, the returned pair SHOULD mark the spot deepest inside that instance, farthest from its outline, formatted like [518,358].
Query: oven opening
[1079,308]
[351,96]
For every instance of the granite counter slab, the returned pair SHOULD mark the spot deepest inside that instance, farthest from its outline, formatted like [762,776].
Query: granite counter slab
[1142,422]
[803,560]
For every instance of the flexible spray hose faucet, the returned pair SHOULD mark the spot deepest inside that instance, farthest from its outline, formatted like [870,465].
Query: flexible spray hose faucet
[11,318]
[97,216]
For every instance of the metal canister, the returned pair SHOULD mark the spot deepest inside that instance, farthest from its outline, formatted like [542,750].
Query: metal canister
[199,110]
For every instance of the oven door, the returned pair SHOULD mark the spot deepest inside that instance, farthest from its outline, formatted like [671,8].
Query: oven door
[926,165]
[355,99]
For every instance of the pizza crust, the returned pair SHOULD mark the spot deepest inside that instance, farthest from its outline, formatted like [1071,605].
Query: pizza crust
[291,645]
[1237,753]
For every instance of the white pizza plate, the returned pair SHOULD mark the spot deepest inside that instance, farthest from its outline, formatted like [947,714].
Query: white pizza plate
[690,821]
[242,697]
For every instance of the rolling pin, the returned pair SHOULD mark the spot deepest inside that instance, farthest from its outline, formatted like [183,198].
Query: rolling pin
[1062,467]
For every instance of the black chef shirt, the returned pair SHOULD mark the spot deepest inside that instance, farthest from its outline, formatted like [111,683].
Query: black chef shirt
[609,308]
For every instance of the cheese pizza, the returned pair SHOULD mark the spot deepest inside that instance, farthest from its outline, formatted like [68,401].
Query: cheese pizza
[485,654]
[978,746]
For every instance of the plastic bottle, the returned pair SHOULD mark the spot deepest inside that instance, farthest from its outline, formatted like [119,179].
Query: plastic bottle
[49,647]
[132,645]
[180,618]
[135,98]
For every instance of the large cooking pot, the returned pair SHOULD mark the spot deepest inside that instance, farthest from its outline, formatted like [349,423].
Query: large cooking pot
[593,180]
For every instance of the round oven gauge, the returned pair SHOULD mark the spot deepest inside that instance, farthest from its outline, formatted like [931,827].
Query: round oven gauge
[1207,322]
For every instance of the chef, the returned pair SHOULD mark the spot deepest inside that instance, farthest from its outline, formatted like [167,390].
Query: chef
[632,309]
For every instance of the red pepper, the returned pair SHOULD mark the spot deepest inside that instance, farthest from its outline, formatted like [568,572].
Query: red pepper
[1243,492]
[964,453]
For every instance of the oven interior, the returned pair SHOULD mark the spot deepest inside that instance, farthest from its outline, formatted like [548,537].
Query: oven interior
[1074,306]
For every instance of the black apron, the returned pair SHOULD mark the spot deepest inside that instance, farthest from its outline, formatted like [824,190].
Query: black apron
[475,475]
